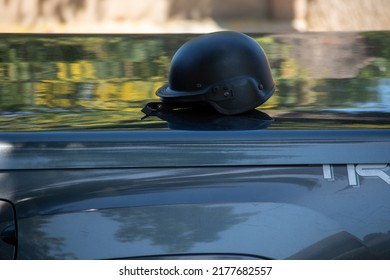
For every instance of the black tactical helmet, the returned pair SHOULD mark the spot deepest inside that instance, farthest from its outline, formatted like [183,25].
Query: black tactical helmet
[228,70]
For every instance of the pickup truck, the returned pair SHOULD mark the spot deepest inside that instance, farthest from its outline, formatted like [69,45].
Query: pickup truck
[84,175]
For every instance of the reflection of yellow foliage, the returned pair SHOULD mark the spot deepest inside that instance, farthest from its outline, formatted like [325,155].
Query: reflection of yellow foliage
[88,70]
[55,87]
[79,71]
[54,93]
[106,91]
[41,88]
[289,69]
[62,71]
[139,90]
[126,91]
[75,69]
[61,103]
[134,110]
[107,96]
[40,99]
[63,88]
[103,95]
[265,40]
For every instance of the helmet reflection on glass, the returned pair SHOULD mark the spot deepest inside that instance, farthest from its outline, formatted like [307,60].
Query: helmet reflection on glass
[190,119]
[228,70]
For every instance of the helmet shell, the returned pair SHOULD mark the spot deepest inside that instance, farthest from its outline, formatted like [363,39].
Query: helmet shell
[229,70]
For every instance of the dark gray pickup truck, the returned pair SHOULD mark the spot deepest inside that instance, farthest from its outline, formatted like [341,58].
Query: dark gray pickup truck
[84,175]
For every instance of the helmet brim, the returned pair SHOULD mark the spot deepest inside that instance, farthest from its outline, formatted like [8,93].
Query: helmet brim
[229,104]
[166,92]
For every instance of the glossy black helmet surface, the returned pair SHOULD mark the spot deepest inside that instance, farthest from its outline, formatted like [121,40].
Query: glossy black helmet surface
[228,70]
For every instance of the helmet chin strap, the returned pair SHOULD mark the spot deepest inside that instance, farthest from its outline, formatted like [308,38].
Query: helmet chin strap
[153,107]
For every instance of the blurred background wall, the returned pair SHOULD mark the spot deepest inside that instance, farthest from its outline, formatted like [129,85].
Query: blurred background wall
[156,16]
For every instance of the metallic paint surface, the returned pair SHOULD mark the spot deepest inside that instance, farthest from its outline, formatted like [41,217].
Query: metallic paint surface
[272,212]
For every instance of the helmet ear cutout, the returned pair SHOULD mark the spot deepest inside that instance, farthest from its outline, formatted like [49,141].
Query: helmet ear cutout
[220,92]
[229,100]
[228,70]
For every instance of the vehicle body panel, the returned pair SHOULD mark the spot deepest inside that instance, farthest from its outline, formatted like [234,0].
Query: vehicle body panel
[156,211]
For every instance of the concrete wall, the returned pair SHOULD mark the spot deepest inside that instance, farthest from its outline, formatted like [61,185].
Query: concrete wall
[130,15]
[218,9]
[342,15]
[52,15]
[31,11]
